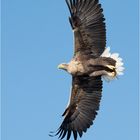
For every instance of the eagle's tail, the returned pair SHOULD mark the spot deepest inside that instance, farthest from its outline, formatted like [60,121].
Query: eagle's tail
[119,68]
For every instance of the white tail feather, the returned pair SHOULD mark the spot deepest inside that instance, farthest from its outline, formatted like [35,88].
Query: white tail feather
[119,64]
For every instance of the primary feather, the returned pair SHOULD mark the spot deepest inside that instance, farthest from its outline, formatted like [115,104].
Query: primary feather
[83,107]
[87,21]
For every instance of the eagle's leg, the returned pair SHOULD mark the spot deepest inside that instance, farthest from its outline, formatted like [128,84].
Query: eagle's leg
[99,73]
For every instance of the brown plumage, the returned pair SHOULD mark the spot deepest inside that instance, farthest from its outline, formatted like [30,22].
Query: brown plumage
[87,67]
[84,103]
[87,21]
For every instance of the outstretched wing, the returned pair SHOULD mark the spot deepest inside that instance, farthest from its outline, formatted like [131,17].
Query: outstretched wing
[83,106]
[87,21]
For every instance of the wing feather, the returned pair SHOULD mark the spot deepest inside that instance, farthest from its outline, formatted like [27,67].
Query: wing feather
[87,21]
[83,106]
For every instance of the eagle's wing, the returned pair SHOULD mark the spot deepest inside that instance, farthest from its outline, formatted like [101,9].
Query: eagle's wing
[87,21]
[83,106]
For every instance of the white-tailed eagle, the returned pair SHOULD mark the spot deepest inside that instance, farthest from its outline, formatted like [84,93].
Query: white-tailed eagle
[91,61]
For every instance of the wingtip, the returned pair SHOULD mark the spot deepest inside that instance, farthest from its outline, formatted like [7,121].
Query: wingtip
[52,134]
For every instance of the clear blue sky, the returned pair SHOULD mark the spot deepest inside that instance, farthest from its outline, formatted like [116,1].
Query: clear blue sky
[36,37]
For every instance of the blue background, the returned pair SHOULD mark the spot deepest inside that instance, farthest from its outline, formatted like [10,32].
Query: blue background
[36,37]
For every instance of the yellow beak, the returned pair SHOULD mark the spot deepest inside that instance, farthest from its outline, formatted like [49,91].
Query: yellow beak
[61,66]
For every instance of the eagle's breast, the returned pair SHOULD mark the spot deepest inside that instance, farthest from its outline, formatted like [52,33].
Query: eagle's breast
[75,67]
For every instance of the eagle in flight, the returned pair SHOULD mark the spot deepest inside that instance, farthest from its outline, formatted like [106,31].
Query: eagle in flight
[91,62]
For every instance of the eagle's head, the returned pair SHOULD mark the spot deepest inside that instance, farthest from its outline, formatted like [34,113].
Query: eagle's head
[72,67]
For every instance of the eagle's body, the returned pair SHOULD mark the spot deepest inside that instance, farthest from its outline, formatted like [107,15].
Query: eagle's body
[88,67]
[91,61]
